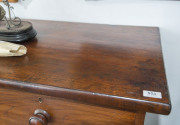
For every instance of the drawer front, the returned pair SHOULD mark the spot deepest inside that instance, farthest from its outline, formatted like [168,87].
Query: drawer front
[16,107]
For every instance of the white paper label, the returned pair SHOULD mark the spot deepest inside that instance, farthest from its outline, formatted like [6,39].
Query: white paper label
[152,94]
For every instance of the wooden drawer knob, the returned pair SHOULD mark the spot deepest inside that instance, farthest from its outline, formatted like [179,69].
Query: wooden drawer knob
[40,117]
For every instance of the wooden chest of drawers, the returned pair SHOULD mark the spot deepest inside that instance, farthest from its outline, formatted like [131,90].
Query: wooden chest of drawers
[85,74]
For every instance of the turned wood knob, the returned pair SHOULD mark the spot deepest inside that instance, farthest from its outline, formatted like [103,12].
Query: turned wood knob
[40,117]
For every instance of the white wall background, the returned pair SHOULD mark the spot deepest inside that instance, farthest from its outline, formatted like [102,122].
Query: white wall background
[164,14]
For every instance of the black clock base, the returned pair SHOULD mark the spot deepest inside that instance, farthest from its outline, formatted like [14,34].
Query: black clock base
[20,34]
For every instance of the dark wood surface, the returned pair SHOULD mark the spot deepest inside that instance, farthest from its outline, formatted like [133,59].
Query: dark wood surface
[98,64]
[17,111]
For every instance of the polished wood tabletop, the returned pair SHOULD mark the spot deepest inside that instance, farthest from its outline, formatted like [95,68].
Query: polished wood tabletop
[106,65]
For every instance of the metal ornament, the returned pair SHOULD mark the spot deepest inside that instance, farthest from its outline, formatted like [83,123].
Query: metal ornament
[16,21]
[12,29]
